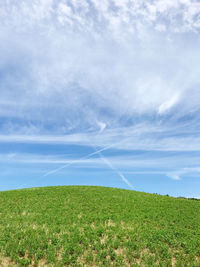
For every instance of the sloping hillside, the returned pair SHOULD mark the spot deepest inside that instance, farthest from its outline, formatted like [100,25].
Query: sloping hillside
[97,226]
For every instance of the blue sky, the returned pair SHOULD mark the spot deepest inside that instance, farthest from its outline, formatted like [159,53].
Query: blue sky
[100,93]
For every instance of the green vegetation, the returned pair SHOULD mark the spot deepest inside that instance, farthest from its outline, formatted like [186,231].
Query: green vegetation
[97,226]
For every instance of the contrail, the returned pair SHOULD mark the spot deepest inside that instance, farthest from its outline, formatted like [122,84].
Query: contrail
[108,163]
[124,179]
[75,161]
[114,169]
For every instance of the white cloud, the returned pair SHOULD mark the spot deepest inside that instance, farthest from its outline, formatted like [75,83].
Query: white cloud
[75,67]
[174,176]
[168,104]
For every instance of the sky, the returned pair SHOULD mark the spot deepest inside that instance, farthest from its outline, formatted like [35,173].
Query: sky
[100,92]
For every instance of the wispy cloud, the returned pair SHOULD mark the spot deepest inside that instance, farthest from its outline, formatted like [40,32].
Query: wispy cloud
[174,176]
[96,59]
[145,136]
[191,172]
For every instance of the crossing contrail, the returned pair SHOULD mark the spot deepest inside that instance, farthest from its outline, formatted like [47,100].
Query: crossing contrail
[108,163]
[75,161]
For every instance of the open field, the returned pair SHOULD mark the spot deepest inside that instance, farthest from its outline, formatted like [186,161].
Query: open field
[97,226]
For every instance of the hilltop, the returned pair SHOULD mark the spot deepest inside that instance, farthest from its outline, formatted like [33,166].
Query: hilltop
[97,226]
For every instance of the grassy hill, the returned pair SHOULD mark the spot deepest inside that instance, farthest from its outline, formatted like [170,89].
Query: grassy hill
[97,226]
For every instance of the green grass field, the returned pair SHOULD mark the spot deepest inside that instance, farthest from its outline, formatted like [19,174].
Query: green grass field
[97,226]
